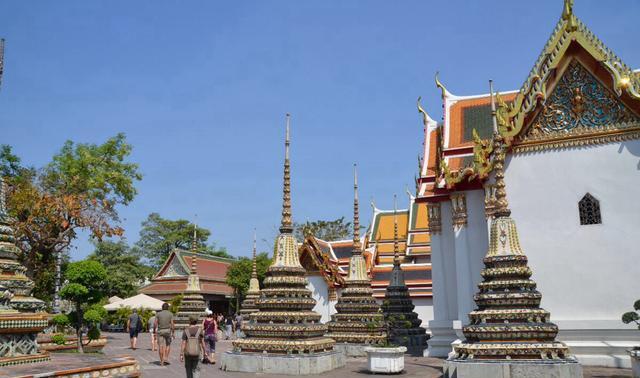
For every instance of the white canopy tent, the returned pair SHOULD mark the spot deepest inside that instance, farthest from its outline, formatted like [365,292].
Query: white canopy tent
[137,301]
[114,299]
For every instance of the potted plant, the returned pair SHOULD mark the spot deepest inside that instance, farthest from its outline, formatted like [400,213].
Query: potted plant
[634,317]
[386,357]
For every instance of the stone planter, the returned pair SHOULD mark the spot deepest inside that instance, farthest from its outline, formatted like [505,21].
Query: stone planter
[45,343]
[385,360]
[634,354]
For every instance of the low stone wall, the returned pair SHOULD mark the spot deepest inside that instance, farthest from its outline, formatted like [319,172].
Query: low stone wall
[71,343]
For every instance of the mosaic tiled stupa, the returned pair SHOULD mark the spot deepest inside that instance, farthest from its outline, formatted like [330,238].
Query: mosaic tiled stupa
[359,319]
[21,315]
[285,322]
[403,323]
[249,304]
[508,323]
[192,300]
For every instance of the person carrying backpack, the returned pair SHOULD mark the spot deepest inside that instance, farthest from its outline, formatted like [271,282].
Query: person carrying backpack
[192,347]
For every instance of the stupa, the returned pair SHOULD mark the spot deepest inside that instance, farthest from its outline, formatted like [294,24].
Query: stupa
[285,335]
[249,304]
[509,335]
[192,300]
[403,323]
[22,316]
[359,322]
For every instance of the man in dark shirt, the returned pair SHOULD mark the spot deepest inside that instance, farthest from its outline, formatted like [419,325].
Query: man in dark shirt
[165,329]
[191,362]
[134,325]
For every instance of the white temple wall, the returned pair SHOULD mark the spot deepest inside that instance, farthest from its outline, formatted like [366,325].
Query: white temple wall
[478,240]
[424,309]
[587,274]
[320,292]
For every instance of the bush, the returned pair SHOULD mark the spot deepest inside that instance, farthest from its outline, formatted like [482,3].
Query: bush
[174,303]
[632,316]
[58,339]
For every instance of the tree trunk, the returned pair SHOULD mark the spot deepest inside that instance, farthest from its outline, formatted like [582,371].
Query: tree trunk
[79,328]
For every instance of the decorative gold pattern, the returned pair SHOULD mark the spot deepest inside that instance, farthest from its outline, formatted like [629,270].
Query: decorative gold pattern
[359,319]
[285,321]
[249,304]
[459,210]
[489,200]
[434,217]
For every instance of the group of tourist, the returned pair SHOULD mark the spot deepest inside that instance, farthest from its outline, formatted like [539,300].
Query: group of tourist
[198,341]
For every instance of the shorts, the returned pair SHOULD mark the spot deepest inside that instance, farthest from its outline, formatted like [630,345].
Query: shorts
[133,333]
[210,341]
[165,335]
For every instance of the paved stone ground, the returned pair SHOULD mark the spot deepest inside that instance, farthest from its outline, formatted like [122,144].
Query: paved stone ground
[419,367]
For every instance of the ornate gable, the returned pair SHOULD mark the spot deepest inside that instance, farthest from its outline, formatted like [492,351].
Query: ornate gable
[578,92]
[173,267]
[579,106]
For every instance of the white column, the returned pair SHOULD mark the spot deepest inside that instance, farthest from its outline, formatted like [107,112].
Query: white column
[443,280]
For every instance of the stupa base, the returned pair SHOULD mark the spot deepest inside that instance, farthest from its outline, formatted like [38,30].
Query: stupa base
[294,364]
[76,365]
[511,369]
[351,350]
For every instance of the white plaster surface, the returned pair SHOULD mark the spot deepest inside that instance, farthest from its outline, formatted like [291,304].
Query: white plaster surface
[385,360]
[320,290]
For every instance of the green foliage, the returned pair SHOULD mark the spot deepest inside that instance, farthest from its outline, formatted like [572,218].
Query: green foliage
[125,271]
[93,333]
[78,190]
[174,303]
[92,316]
[159,236]
[98,171]
[58,339]
[633,316]
[60,320]
[239,272]
[332,230]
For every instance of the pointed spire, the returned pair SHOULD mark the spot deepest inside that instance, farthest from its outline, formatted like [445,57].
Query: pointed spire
[1,59]
[502,205]
[3,198]
[254,272]
[357,246]
[287,226]
[194,249]
[396,249]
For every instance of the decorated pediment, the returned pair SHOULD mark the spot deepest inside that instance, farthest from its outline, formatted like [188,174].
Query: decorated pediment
[175,269]
[579,105]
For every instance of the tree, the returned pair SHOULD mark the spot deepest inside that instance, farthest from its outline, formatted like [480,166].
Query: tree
[326,230]
[239,273]
[125,271]
[159,236]
[85,289]
[78,190]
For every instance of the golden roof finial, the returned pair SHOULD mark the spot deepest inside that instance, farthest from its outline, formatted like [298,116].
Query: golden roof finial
[357,247]
[443,90]
[568,16]
[396,248]
[254,273]
[287,226]
[502,205]
[1,59]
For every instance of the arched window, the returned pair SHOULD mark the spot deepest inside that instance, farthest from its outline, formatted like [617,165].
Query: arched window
[589,208]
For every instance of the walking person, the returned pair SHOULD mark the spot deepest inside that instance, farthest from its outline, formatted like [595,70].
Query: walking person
[228,327]
[191,348]
[210,327]
[238,325]
[151,325]
[165,328]
[134,326]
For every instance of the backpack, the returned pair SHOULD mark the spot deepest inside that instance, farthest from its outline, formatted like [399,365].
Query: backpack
[192,349]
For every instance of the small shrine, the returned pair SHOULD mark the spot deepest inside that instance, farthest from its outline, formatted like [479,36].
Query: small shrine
[285,325]
[403,323]
[508,328]
[359,322]
[22,316]
[248,306]
[192,300]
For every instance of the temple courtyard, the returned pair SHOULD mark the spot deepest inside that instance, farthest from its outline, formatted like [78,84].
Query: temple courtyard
[422,367]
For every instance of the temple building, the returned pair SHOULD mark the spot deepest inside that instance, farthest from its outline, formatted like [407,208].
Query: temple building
[327,262]
[172,279]
[358,322]
[572,137]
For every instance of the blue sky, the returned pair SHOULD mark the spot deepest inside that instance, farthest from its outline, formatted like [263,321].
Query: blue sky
[201,88]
